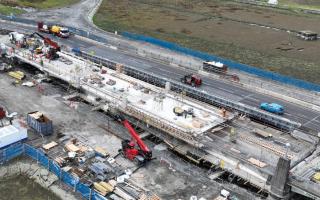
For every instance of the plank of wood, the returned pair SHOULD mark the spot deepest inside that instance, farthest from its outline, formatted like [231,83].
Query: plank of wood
[257,162]
[49,145]
[72,147]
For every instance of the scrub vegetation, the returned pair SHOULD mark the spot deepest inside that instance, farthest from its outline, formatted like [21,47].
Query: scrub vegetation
[39,4]
[231,30]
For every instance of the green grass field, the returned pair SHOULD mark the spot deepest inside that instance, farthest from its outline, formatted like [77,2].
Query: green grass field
[40,4]
[188,23]
[7,10]
[302,4]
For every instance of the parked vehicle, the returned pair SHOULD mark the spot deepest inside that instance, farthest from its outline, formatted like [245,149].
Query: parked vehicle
[272,107]
[307,35]
[17,38]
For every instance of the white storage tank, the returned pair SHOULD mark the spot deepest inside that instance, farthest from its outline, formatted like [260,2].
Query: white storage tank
[10,135]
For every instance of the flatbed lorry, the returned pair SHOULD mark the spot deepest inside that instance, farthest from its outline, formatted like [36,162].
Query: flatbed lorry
[59,31]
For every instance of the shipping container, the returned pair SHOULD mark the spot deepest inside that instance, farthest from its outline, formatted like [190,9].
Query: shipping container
[10,135]
[40,123]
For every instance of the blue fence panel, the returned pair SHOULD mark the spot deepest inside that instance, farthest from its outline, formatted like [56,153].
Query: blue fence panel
[54,168]
[84,190]
[232,64]
[18,149]
[30,151]
[68,179]
[43,159]
[13,151]
[97,196]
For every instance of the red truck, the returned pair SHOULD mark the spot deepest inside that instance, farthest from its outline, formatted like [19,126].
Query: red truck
[192,79]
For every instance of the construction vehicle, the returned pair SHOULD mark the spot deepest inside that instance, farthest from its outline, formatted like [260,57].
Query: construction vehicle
[52,47]
[307,35]
[142,154]
[59,31]
[272,107]
[17,39]
[192,79]
[217,67]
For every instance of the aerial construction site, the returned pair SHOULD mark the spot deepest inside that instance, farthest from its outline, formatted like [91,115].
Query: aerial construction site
[97,115]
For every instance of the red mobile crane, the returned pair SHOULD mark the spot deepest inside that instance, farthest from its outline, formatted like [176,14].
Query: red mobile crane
[129,150]
[54,47]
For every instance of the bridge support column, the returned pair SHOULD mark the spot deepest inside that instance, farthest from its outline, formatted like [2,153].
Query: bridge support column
[279,188]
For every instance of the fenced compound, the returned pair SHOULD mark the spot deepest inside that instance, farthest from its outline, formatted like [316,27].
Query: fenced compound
[20,149]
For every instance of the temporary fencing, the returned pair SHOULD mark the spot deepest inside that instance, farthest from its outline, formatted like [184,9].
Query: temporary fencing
[11,152]
[232,64]
[175,47]
[20,149]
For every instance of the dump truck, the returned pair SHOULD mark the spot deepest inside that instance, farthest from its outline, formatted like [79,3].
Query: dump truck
[272,107]
[59,31]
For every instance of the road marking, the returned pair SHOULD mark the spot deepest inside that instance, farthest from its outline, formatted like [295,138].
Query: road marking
[311,121]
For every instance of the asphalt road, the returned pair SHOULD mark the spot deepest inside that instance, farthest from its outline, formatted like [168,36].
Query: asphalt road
[309,118]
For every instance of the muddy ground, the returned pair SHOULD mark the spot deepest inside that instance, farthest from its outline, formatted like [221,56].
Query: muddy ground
[22,188]
[247,34]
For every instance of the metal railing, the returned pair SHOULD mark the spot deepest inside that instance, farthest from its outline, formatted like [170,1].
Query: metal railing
[203,96]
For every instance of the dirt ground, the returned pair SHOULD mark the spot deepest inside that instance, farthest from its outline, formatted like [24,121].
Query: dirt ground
[168,175]
[249,35]
[22,188]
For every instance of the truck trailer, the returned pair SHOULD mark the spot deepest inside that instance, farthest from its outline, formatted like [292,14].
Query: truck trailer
[59,31]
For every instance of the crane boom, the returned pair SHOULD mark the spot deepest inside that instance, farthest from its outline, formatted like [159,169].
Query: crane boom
[47,41]
[135,136]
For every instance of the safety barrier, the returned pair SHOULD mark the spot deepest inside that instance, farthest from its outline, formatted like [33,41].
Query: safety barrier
[74,30]
[232,64]
[203,96]
[20,149]
[204,56]
[11,152]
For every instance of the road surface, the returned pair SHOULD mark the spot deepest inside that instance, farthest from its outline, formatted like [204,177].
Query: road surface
[310,119]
